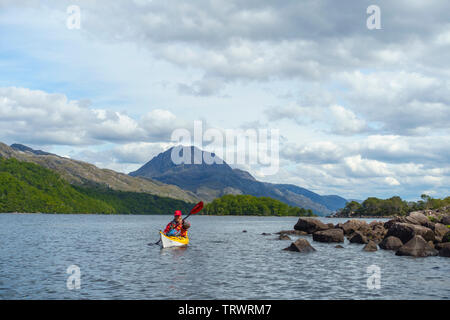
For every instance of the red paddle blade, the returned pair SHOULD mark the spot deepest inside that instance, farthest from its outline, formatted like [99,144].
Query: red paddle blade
[198,207]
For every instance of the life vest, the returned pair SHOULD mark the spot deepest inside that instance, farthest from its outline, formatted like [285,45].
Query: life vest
[179,230]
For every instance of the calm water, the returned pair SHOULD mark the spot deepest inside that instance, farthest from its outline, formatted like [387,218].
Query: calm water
[221,262]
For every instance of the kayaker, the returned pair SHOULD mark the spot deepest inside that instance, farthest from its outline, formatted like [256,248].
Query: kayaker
[177,227]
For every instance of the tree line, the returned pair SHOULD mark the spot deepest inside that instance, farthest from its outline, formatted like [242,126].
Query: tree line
[250,205]
[373,206]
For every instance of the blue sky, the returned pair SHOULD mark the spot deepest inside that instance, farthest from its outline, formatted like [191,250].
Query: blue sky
[361,112]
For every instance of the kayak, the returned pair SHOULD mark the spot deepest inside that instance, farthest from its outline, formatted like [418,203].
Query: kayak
[168,242]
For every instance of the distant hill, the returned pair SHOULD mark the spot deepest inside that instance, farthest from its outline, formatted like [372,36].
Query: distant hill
[83,173]
[27,187]
[212,181]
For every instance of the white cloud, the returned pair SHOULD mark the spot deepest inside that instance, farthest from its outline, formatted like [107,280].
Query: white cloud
[39,117]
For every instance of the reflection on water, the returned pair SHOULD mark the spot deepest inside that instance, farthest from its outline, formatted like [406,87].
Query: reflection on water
[118,260]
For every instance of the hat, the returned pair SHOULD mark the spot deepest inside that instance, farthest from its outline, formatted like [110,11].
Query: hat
[177,213]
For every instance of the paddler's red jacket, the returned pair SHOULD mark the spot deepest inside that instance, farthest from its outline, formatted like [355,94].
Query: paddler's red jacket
[181,232]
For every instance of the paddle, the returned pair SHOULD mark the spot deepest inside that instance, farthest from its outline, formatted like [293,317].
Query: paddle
[196,209]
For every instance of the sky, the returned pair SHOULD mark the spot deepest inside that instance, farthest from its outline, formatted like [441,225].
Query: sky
[360,111]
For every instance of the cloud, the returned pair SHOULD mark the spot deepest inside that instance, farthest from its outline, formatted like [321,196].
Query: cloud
[204,88]
[34,116]
[370,106]
[406,103]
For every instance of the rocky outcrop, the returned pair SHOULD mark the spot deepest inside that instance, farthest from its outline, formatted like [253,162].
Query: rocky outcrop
[330,235]
[310,225]
[406,231]
[300,245]
[370,246]
[391,243]
[420,234]
[417,247]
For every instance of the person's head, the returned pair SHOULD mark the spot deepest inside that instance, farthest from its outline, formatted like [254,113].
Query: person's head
[177,216]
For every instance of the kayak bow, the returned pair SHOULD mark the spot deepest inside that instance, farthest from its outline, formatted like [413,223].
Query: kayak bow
[167,242]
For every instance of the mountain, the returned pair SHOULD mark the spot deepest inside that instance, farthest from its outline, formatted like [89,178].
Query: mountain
[212,181]
[81,173]
[21,147]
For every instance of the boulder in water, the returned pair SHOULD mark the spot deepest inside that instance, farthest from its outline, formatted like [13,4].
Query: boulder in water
[300,245]
[358,237]
[406,231]
[391,243]
[444,249]
[330,235]
[416,247]
[310,225]
[284,237]
[351,226]
[370,246]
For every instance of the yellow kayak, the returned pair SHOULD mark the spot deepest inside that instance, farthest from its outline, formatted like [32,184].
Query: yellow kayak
[167,242]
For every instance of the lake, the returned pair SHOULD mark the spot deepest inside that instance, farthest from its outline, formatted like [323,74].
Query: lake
[116,261]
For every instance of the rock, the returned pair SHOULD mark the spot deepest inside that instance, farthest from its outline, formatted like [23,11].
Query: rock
[417,247]
[244,230]
[301,245]
[370,247]
[446,237]
[440,230]
[310,225]
[439,246]
[284,237]
[294,232]
[358,237]
[330,225]
[409,219]
[388,224]
[419,217]
[445,252]
[406,231]
[265,234]
[444,249]
[375,224]
[431,244]
[355,225]
[446,220]
[391,243]
[330,235]
[339,246]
